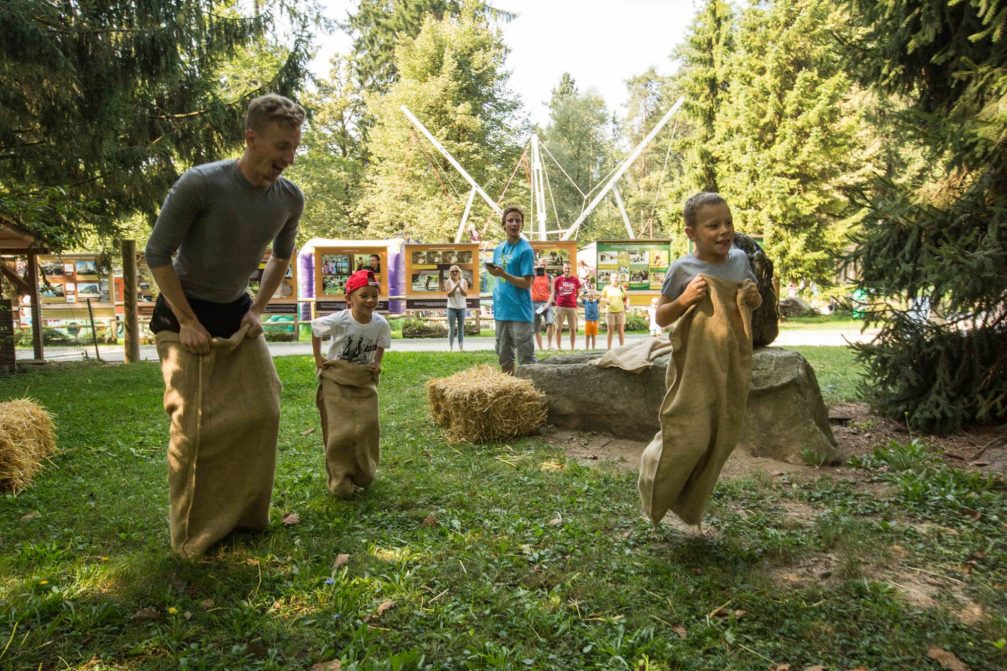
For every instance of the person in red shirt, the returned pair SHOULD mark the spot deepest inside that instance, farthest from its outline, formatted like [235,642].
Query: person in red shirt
[542,299]
[566,289]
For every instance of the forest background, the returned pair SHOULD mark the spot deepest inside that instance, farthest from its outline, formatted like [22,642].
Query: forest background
[866,133]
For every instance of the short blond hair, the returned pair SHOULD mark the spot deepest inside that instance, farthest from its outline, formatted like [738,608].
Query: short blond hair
[273,108]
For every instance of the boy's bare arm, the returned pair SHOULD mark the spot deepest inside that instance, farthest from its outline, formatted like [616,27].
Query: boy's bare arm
[669,311]
[379,354]
[316,350]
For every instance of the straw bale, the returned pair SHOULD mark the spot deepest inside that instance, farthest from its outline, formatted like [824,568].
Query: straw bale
[482,404]
[26,440]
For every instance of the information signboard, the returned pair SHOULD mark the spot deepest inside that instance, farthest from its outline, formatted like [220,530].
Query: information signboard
[427,268]
[333,267]
[640,266]
[284,300]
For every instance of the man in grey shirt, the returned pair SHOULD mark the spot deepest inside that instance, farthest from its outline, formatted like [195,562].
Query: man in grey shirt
[217,221]
[224,398]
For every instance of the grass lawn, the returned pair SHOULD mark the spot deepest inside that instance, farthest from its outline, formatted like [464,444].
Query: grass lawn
[506,556]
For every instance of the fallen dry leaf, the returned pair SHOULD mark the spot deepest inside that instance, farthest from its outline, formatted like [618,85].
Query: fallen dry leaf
[780,667]
[556,521]
[333,665]
[946,659]
[816,667]
[342,560]
[383,608]
[680,630]
[207,604]
[33,515]
[148,613]
[291,519]
[308,432]
[739,613]
[430,520]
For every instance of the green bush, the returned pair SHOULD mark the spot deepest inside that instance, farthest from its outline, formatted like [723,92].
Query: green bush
[636,321]
[415,327]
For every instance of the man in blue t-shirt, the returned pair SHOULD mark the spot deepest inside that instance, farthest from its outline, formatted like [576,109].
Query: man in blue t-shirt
[513,266]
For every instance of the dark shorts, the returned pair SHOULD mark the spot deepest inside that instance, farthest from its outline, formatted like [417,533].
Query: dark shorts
[221,320]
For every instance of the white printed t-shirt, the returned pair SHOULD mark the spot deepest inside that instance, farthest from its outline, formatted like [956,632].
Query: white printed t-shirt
[351,340]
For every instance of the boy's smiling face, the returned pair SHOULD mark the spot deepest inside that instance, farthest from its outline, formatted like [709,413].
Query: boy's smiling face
[713,233]
[364,300]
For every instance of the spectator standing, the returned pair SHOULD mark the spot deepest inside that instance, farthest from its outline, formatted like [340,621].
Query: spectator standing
[513,266]
[616,301]
[457,289]
[542,299]
[566,289]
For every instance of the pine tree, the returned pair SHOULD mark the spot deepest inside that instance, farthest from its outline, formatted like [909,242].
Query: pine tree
[576,137]
[786,136]
[102,102]
[938,239]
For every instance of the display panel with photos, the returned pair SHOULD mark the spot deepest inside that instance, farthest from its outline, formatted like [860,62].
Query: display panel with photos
[333,267]
[427,267]
[640,265]
[284,299]
[555,254]
[71,278]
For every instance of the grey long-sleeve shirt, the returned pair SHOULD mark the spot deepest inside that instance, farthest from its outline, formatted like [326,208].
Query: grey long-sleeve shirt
[217,226]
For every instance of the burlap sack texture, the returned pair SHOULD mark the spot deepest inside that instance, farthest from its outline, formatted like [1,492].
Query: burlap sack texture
[482,405]
[27,439]
[225,414]
[347,400]
[704,407]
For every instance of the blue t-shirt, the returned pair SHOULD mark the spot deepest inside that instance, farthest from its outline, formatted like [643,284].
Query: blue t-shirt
[591,310]
[509,302]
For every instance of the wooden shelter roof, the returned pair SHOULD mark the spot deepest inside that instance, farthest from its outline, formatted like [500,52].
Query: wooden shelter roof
[16,240]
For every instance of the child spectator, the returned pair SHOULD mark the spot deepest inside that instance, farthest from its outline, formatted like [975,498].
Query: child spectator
[713,291]
[655,329]
[590,301]
[347,396]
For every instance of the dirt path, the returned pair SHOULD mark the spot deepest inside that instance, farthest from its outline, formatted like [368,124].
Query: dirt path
[857,431]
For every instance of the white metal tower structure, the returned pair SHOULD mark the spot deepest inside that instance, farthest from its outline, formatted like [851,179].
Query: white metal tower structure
[570,232]
[538,187]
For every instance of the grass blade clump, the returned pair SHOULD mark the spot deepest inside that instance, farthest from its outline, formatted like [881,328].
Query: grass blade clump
[482,405]
[27,438]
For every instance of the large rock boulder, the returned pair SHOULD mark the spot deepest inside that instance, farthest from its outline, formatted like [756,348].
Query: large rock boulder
[766,318]
[787,419]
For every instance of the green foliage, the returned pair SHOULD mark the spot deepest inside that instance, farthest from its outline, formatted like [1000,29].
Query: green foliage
[576,138]
[786,137]
[939,235]
[452,78]
[704,80]
[130,90]
[333,157]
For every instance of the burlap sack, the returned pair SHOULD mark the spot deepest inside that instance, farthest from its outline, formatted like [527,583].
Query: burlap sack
[225,414]
[635,357]
[702,412]
[347,401]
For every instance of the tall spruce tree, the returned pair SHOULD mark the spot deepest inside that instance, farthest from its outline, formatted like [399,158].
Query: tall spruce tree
[704,79]
[452,78]
[940,240]
[102,102]
[577,138]
[786,138]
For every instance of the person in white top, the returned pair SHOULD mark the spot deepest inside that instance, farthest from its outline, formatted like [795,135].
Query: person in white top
[457,290]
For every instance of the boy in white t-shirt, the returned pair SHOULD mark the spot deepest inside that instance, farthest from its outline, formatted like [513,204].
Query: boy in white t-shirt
[347,396]
[655,328]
